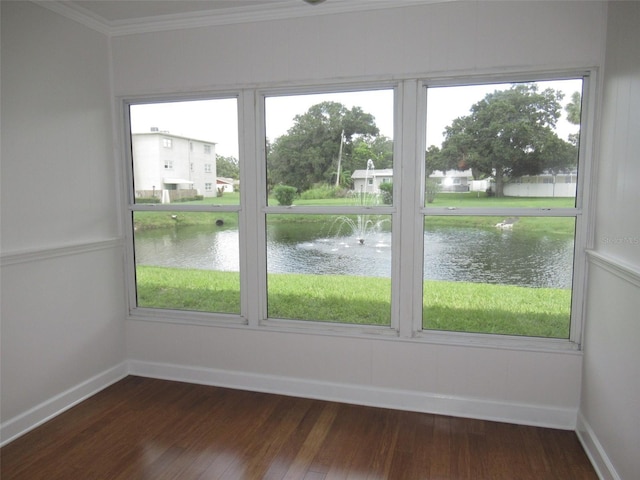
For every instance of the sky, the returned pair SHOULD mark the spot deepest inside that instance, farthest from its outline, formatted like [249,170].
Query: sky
[217,120]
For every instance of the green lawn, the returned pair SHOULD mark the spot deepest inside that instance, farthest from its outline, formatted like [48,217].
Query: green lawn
[475,199]
[550,225]
[453,306]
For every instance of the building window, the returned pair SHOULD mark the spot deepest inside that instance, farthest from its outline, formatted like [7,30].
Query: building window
[168,164]
[208,187]
[500,261]
[207,168]
[207,149]
[167,142]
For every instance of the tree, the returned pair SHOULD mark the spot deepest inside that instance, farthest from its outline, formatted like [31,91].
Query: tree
[508,134]
[227,167]
[574,112]
[435,160]
[307,154]
[574,108]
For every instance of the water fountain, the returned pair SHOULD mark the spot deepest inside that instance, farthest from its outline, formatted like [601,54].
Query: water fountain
[363,225]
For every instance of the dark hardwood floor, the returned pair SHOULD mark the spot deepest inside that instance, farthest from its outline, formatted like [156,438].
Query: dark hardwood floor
[141,428]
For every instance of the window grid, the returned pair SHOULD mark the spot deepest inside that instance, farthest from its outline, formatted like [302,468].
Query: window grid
[421,211]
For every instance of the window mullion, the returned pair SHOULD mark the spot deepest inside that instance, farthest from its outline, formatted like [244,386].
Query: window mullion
[408,274]
[252,236]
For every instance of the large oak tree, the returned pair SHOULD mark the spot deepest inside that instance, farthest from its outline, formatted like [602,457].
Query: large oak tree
[307,154]
[508,134]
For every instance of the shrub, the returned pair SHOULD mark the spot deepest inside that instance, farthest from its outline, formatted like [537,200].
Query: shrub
[386,191]
[284,194]
[323,191]
[147,200]
[188,199]
[432,187]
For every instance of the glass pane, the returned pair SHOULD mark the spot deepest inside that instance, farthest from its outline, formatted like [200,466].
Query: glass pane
[325,149]
[503,145]
[498,275]
[187,261]
[329,268]
[185,152]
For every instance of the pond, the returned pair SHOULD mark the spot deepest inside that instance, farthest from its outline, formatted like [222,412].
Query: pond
[451,253]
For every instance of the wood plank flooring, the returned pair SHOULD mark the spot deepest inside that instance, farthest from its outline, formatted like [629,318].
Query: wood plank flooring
[142,428]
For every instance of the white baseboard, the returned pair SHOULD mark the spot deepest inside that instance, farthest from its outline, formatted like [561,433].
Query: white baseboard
[17,426]
[518,413]
[594,450]
[523,414]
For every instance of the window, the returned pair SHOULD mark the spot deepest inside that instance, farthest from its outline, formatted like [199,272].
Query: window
[407,209]
[498,255]
[167,142]
[329,259]
[185,240]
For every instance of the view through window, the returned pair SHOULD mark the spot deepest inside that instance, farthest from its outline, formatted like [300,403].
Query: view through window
[331,157]
[185,208]
[500,207]
[499,204]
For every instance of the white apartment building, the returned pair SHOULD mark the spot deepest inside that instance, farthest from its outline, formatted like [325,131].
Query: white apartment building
[165,164]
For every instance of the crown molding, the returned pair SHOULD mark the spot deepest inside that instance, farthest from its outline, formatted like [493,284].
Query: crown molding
[279,10]
[75,15]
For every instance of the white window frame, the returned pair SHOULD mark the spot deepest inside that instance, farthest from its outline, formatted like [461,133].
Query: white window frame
[392,211]
[168,315]
[407,214]
[581,213]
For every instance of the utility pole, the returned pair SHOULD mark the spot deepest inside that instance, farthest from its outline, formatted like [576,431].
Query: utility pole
[339,158]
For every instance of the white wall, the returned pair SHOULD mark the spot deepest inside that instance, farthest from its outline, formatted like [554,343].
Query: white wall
[62,277]
[447,38]
[439,38]
[609,415]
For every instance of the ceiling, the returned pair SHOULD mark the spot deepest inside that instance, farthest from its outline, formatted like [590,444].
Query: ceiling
[113,11]
[121,17]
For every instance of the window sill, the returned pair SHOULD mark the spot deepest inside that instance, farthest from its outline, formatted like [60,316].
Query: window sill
[457,339]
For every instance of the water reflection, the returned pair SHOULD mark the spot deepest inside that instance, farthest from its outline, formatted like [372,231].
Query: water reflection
[498,257]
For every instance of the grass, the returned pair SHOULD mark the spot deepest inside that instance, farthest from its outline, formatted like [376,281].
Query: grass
[451,306]
[497,309]
[188,289]
[546,225]
[477,199]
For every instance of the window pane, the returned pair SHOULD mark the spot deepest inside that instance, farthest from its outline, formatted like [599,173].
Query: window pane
[185,151]
[499,275]
[323,149]
[329,268]
[490,143]
[187,261]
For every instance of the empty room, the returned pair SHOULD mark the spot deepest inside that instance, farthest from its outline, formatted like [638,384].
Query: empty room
[390,239]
